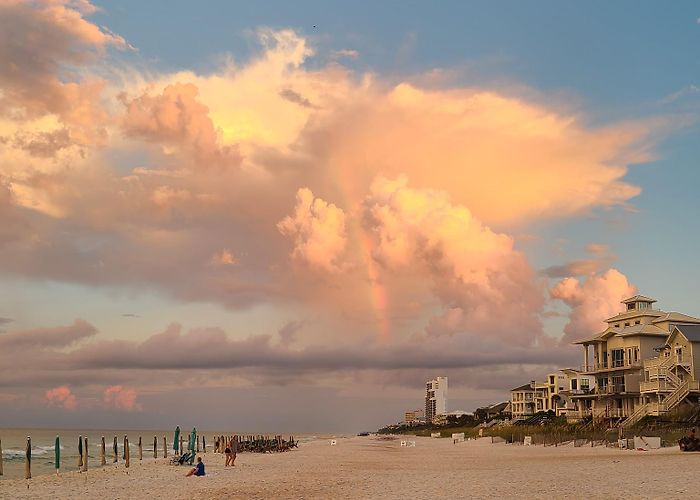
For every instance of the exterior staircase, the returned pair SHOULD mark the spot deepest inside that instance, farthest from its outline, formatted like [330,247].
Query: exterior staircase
[638,414]
[680,390]
[678,395]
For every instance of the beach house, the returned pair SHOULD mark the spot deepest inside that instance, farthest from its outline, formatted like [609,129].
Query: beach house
[576,399]
[674,375]
[522,401]
[616,358]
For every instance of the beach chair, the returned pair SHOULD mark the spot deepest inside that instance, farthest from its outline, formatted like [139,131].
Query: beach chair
[185,458]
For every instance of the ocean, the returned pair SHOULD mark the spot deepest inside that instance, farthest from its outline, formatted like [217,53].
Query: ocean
[14,443]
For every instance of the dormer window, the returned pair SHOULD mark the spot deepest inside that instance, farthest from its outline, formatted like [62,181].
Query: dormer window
[630,306]
[617,325]
[638,322]
[627,323]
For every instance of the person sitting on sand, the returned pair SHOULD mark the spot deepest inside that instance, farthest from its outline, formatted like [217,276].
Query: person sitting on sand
[198,470]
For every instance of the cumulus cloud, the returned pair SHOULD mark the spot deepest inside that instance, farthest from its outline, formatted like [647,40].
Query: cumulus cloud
[592,301]
[121,398]
[477,273]
[61,397]
[318,230]
[175,119]
[36,40]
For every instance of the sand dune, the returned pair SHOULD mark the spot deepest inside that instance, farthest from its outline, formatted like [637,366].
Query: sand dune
[369,468]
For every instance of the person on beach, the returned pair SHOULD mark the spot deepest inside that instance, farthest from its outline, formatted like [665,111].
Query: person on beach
[689,442]
[198,470]
[229,456]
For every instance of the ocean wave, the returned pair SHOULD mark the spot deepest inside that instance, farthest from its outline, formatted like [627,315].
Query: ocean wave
[37,451]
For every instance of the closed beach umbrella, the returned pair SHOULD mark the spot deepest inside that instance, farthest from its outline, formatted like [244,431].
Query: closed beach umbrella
[57,454]
[28,459]
[176,439]
[115,448]
[192,440]
[80,452]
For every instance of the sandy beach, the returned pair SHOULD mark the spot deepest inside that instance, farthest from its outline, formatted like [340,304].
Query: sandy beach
[367,467]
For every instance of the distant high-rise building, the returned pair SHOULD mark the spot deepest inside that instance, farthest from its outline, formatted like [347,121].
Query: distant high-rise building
[435,398]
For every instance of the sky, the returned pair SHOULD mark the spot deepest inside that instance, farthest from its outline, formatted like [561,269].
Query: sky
[289,218]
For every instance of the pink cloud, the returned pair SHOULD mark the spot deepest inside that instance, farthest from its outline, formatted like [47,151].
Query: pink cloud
[318,230]
[476,272]
[61,397]
[175,119]
[121,398]
[592,301]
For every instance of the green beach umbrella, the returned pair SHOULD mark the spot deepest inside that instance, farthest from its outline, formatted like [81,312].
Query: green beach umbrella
[57,453]
[192,440]
[176,439]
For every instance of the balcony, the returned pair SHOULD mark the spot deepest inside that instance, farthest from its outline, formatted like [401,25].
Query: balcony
[611,389]
[656,386]
[617,365]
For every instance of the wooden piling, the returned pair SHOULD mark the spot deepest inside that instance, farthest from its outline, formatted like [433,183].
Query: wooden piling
[197,444]
[80,452]
[115,450]
[165,447]
[1,472]
[85,456]
[126,452]
[155,447]
[28,460]
[103,456]
[140,450]
[180,443]
[204,446]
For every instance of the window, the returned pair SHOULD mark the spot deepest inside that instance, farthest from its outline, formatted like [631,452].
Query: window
[618,382]
[584,384]
[627,323]
[630,306]
[638,322]
[636,354]
[617,325]
[629,355]
[617,357]
[574,383]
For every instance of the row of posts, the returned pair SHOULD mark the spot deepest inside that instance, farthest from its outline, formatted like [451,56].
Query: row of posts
[222,441]
[83,452]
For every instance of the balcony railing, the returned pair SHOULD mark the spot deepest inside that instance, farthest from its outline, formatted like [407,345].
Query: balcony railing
[656,386]
[594,367]
[611,389]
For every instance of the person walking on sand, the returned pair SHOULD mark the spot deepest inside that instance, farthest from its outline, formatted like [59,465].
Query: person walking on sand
[198,470]
[229,456]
